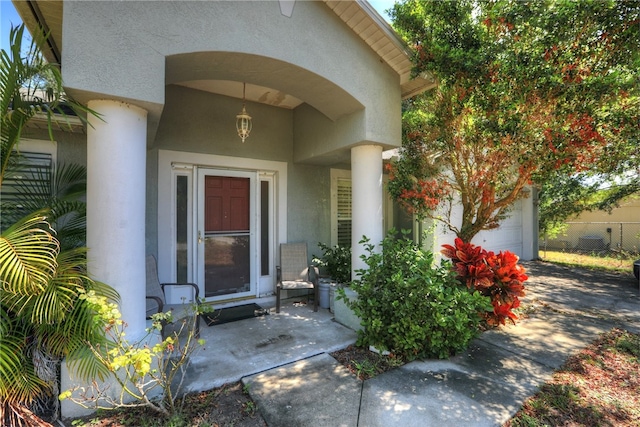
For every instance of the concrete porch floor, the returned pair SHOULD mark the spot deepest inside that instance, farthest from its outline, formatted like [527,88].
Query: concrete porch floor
[246,347]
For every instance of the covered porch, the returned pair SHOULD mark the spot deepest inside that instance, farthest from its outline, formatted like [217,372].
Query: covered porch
[245,347]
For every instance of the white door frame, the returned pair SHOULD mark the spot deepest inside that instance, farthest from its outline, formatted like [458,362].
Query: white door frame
[188,163]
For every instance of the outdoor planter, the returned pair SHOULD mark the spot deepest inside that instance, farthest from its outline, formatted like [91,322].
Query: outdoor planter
[343,314]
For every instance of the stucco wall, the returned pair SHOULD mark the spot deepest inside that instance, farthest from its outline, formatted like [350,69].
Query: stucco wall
[628,211]
[119,49]
[71,147]
[309,206]
[201,122]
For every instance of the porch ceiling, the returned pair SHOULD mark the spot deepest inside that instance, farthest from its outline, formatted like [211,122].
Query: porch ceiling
[272,81]
[359,15]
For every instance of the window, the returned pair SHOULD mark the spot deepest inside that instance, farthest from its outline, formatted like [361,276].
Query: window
[341,209]
[28,181]
[182,228]
[344,212]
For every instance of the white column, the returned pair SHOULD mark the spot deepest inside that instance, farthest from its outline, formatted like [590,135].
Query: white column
[529,226]
[366,200]
[116,180]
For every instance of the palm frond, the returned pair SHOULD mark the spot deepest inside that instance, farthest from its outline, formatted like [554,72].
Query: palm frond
[28,254]
[19,383]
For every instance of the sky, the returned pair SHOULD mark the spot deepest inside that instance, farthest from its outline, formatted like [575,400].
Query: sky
[8,16]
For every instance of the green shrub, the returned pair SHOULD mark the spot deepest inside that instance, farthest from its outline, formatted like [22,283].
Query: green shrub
[410,306]
[335,261]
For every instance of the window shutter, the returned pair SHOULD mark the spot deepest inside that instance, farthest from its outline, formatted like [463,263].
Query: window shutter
[344,212]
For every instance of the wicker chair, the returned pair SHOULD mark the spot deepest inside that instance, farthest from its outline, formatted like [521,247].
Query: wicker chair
[156,301]
[294,272]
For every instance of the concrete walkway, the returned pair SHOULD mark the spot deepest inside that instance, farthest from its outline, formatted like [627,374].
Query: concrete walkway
[484,386]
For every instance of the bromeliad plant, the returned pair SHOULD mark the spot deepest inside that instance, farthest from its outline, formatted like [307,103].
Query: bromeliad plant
[497,276]
[147,374]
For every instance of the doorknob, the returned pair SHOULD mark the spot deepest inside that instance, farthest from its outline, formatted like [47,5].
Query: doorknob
[199,237]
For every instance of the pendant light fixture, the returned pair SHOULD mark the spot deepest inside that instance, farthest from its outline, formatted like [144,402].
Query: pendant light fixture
[243,120]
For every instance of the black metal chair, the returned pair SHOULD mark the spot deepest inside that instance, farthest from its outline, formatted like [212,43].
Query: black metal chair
[156,301]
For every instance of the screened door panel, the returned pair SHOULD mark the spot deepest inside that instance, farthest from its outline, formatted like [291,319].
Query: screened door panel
[227,268]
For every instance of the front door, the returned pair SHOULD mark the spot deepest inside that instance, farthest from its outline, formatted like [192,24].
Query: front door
[226,234]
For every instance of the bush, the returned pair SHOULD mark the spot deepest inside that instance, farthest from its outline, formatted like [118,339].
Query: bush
[335,261]
[496,276]
[411,307]
[144,368]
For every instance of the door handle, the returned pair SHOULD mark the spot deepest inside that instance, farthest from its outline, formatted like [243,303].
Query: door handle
[199,237]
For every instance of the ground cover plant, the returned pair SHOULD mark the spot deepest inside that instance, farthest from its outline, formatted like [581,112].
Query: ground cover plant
[599,386]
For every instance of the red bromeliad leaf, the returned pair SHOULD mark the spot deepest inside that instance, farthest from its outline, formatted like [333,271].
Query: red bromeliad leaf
[502,312]
[495,275]
[448,251]
[480,276]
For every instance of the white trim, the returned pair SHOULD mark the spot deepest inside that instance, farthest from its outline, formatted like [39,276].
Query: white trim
[44,146]
[169,160]
[267,282]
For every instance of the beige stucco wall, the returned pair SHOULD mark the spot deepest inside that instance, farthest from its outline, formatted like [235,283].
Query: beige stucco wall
[628,211]
[600,230]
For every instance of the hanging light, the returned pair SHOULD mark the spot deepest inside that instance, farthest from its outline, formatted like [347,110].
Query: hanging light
[243,120]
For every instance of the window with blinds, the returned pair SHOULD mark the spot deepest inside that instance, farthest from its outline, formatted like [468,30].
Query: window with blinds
[29,178]
[344,212]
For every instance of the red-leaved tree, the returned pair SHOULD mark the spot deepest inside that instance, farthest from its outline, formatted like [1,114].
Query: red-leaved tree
[525,90]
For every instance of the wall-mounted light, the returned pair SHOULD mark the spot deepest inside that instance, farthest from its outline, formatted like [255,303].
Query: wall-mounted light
[243,120]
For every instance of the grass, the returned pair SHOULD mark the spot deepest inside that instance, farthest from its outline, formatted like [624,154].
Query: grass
[618,263]
[599,386]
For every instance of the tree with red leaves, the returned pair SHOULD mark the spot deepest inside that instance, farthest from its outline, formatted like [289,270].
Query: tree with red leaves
[526,90]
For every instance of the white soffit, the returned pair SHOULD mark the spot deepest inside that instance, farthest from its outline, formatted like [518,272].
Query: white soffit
[378,34]
[254,93]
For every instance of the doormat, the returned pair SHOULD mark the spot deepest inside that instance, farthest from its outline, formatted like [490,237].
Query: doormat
[231,314]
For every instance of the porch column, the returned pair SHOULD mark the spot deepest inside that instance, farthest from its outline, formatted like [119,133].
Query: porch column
[116,169]
[366,200]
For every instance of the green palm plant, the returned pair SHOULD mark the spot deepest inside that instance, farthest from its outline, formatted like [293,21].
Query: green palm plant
[42,271]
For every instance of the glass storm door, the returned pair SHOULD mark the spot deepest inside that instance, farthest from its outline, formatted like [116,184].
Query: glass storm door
[226,235]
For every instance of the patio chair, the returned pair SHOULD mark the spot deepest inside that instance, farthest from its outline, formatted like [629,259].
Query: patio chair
[156,301]
[294,272]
